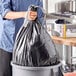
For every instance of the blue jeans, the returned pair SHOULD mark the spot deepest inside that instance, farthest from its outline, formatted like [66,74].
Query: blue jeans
[5,67]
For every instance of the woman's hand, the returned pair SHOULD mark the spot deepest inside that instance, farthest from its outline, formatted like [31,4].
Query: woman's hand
[32,15]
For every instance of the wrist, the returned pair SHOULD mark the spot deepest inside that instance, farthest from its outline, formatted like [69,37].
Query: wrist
[24,14]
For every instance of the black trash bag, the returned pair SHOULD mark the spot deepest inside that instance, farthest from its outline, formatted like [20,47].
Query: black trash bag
[34,46]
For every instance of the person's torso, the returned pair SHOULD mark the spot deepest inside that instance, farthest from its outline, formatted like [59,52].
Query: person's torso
[22,5]
[7,27]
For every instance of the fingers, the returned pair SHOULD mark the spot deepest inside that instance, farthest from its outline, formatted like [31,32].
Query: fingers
[32,15]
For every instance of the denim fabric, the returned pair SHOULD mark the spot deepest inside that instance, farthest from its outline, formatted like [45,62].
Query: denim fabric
[9,28]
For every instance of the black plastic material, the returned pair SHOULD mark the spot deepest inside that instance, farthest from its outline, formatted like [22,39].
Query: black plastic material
[33,8]
[34,46]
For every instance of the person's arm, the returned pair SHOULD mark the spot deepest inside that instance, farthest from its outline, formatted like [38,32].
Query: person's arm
[7,13]
[14,15]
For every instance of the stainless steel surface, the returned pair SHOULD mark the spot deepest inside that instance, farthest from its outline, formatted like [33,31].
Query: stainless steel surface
[45,5]
[58,16]
[71,26]
[68,17]
[60,7]
[66,6]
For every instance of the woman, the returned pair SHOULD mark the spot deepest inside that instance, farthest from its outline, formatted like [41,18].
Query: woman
[12,14]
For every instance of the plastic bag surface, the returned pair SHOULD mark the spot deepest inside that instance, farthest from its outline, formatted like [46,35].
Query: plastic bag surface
[34,46]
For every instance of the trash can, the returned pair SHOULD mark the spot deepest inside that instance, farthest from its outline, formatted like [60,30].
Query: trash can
[36,71]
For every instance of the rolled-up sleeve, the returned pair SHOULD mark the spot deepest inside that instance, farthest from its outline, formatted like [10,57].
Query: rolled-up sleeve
[5,7]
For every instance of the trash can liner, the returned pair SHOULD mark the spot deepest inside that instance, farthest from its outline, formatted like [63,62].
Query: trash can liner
[34,46]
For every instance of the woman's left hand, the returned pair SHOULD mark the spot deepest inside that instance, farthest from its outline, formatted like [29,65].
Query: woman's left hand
[32,15]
